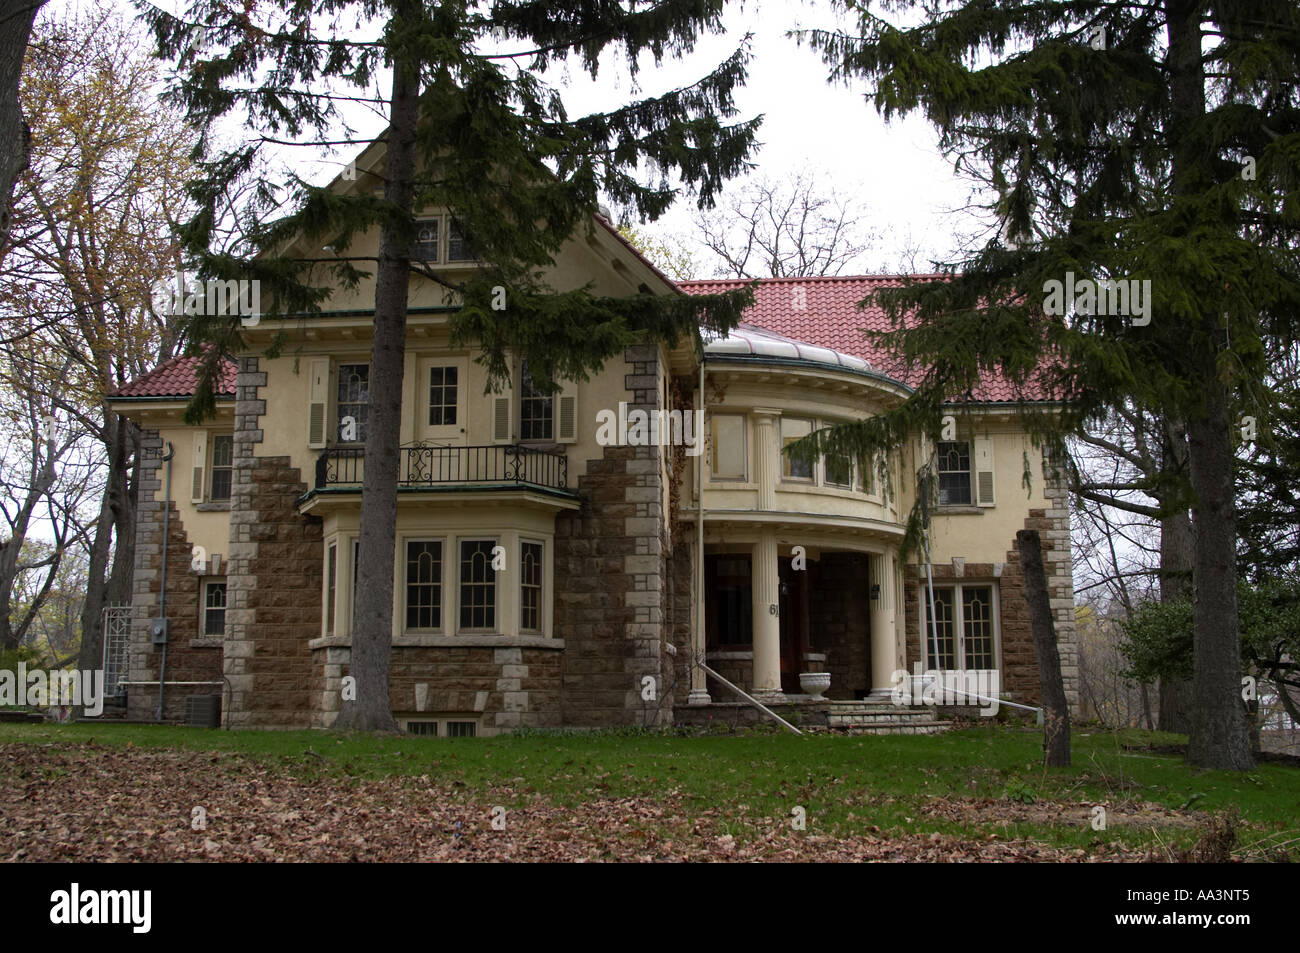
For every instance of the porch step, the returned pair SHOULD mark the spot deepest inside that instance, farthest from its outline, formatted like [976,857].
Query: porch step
[880,719]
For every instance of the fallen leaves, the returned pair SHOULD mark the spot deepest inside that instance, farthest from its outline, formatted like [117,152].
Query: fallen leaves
[87,802]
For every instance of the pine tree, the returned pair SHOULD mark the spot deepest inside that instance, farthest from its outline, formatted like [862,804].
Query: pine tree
[476,132]
[1138,142]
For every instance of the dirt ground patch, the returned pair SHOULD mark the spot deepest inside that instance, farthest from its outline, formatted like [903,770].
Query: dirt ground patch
[122,803]
[1008,813]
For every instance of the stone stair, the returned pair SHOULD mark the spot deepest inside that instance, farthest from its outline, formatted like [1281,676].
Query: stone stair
[865,718]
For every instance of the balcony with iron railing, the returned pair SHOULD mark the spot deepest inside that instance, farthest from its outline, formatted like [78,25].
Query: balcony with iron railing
[428,466]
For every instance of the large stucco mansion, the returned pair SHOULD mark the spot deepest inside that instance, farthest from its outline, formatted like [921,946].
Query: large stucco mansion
[546,573]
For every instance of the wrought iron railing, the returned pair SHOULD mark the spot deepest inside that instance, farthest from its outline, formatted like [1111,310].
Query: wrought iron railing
[430,465]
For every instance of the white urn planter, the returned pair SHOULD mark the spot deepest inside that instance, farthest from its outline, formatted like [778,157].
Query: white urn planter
[815,684]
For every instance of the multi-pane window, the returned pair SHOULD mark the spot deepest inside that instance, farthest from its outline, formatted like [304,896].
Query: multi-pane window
[968,645]
[478,586]
[867,475]
[426,240]
[443,382]
[954,473]
[728,445]
[353,402]
[331,586]
[214,608]
[536,410]
[530,586]
[839,471]
[457,246]
[424,584]
[223,458]
[795,467]
[462,729]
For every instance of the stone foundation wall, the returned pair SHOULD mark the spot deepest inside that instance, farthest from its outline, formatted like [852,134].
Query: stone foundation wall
[839,621]
[735,667]
[501,688]
[189,657]
[275,577]
[611,597]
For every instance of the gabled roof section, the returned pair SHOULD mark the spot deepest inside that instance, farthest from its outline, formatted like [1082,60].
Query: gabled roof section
[176,379]
[824,313]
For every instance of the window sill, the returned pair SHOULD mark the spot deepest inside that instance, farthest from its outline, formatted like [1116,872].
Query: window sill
[218,506]
[207,642]
[431,641]
[958,509]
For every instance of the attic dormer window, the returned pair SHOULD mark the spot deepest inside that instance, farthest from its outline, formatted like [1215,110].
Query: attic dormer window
[457,245]
[426,240]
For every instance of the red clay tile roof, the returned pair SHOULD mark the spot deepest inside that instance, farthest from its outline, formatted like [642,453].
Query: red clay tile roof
[832,319]
[176,378]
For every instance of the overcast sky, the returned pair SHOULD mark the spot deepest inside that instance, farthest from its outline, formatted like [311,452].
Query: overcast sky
[895,171]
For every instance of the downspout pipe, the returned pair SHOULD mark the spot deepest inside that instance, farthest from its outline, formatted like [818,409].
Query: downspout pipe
[162,590]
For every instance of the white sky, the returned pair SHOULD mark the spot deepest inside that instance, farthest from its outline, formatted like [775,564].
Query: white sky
[911,193]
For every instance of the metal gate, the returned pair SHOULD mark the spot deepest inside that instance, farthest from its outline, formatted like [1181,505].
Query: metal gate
[117,637]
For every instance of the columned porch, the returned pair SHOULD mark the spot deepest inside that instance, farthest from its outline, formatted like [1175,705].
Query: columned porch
[774,601]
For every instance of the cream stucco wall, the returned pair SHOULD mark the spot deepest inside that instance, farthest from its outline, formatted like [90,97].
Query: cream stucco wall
[208,524]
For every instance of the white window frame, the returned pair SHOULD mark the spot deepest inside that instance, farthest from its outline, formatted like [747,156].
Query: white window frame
[213,468]
[330,598]
[441,721]
[970,471]
[786,460]
[714,476]
[496,588]
[824,462]
[959,623]
[441,627]
[337,416]
[439,238]
[519,399]
[204,583]
[542,603]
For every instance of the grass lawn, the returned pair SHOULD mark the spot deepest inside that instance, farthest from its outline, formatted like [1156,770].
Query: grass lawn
[974,786]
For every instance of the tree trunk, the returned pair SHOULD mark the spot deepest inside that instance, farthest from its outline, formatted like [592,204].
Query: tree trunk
[1177,552]
[114,533]
[15,138]
[1218,737]
[372,633]
[1056,710]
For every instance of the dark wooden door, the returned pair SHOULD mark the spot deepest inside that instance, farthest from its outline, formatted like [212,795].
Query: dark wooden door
[794,624]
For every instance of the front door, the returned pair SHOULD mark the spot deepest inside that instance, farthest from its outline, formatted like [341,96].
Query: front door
[794,624]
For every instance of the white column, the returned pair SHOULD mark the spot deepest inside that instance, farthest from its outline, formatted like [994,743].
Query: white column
[884,644]
[767,625]
[768,457]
